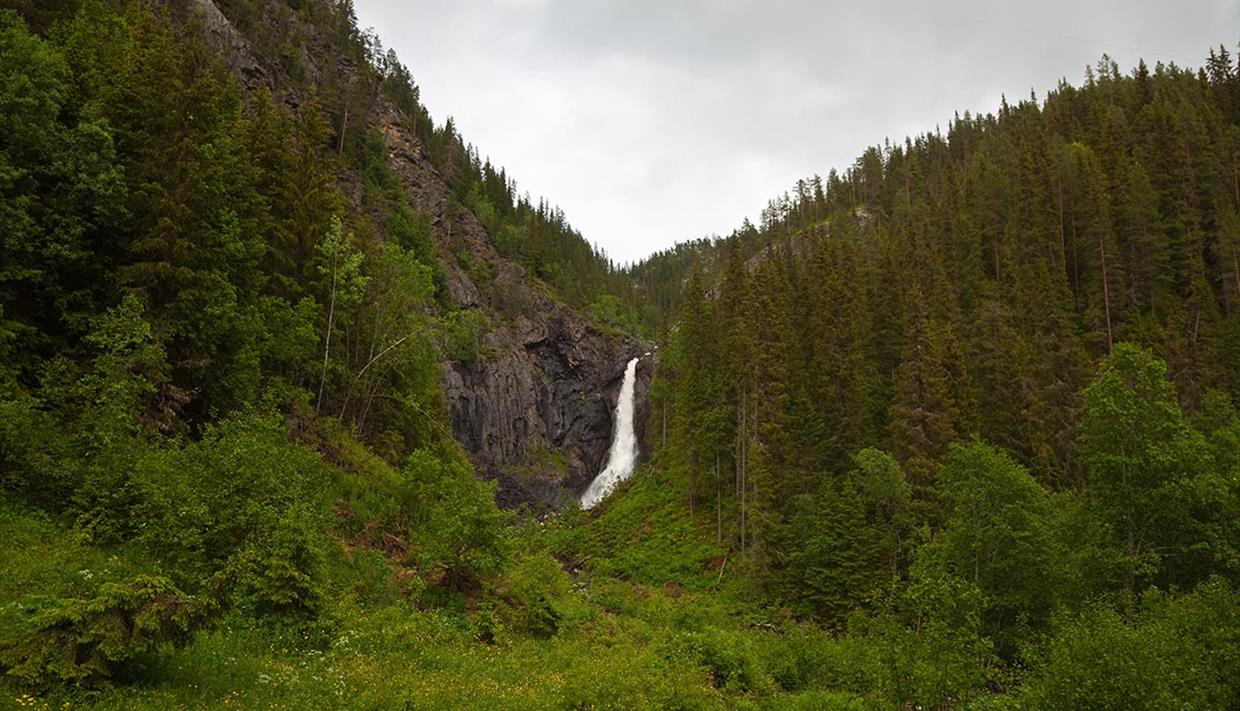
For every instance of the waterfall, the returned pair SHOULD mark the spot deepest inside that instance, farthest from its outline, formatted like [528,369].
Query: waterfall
[623,453]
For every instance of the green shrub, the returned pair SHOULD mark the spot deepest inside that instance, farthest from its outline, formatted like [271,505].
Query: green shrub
[731,657]
[931,651]
[243,496]
[458,532]
[805,657]
[243,493]
[286,562]
[34,455]
[460,333]
[533,596]
[1177,653]
[85,641]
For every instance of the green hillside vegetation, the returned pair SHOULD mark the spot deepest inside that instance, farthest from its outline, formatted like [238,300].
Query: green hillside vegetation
[955,429]
[1057,282]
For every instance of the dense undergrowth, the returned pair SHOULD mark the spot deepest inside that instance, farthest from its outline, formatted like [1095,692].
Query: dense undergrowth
[632,607]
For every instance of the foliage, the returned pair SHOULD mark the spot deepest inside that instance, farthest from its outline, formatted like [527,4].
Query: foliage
[1151,476]
[534,598]
[84,641]
[609,309]
[1030,312]
[1176,653]
[462,333]
[936,656]
[641,533]
[998,536]
[33,454]
[464,527]
[839,559]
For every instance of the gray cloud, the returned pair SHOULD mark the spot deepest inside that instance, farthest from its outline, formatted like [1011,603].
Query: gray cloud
[654,121]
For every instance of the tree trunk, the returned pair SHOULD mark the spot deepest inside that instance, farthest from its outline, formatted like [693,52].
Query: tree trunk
[344,126]
[327,341]
[995,245]
[744,464]
[664,444]
[1076,262]
[1063,241]
[1235,260]
[692,486]
[1106,291]
[718,504]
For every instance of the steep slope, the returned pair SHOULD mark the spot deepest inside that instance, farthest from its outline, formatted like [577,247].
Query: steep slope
[535,409]
[972,289]
[550,377]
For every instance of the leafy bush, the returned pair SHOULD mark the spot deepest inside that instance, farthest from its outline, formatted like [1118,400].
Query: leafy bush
[533,596]
[731,657]
[460,333]
[1177,653]
[85,640]
[283,575]
[804,657]
[931,650]
[458,529]
[243,495]
[34,454]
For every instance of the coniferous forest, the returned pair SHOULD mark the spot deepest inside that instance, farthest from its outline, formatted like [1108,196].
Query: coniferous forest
[953,427]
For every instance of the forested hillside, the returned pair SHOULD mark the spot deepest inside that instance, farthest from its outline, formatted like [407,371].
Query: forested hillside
[990,372]
[208,301]
[955,428]
[970,283]
[224,321]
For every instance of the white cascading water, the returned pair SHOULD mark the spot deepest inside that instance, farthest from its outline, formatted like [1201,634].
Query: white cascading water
[623,453]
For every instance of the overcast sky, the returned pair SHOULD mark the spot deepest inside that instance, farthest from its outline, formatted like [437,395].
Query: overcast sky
[656,121]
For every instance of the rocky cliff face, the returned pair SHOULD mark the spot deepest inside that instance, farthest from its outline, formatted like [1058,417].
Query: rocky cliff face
[535,409]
